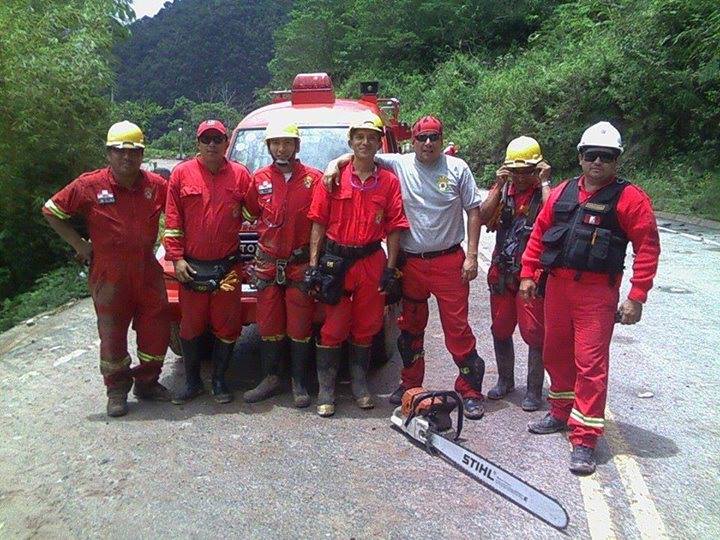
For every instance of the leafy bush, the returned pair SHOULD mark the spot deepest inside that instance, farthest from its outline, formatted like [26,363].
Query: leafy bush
[51,290]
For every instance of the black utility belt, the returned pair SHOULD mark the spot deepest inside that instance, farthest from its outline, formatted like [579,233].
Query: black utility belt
[351,252]
[209,274]
[298,256]
[433,254]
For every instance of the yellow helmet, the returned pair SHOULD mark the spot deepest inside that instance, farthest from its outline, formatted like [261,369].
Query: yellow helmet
[370,121]
[125,135]
[281,130]
[523,152]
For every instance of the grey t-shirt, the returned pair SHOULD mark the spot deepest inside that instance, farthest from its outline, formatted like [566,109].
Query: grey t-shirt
[434,198]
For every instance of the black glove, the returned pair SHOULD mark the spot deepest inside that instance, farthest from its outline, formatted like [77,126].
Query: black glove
[390,285]
[311,280]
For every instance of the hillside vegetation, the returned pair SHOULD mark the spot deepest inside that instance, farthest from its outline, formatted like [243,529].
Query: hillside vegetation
[494,70]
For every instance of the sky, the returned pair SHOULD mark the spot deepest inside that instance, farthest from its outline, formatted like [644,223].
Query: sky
[147,7]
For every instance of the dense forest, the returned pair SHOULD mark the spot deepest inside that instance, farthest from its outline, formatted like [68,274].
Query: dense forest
[491,70]
[206,51]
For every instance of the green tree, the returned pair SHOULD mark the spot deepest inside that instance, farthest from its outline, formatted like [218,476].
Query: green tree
[55,78]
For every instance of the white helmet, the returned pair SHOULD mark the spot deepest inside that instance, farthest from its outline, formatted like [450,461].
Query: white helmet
[602,134]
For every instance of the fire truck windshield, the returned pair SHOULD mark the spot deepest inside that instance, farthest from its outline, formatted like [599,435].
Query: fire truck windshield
[319,145]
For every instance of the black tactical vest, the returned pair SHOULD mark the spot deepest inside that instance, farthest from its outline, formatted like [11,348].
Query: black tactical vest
[513,232]
[586,237]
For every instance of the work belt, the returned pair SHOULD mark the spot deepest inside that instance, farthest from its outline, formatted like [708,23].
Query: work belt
[209,274]
[432,254]
[299,255]
[351,252]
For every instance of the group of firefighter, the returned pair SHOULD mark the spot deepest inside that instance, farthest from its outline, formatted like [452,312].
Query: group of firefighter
[556,268]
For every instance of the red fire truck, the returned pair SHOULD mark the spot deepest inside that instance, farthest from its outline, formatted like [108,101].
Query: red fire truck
[323,120]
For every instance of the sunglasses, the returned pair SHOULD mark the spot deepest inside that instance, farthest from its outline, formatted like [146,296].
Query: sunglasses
[605,157]
[207,139]
[425,136]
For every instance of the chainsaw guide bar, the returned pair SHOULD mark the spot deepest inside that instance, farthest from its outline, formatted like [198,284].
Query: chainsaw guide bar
[425,418]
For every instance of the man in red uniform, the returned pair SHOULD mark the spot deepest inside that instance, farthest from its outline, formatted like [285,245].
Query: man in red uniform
[121,205]
[514,202]
[355,217]
[203,217]
[579,240]
[436,189]
[279,198]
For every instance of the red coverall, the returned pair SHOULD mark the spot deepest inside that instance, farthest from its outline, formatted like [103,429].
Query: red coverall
[126,281]
[281,209]
[580,314]
[507,309]
[357,215]
[203,217]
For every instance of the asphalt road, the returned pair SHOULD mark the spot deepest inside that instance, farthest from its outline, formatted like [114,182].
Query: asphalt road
[269,470]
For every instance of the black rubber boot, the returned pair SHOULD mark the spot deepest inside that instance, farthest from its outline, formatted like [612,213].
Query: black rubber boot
[300,357]
[270,353]
[535,377]
[359,361]
[505,358]
[221,354]
[191,350]
[328,360]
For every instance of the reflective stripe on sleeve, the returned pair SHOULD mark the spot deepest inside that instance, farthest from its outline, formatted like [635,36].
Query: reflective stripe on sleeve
[56,210]
[247,215]
[173,233]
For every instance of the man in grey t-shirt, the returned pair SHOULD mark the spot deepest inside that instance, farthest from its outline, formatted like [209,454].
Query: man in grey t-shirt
[436,189]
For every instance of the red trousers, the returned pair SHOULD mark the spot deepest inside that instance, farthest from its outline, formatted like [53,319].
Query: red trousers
[508,310]
[579,323]
[360,315]
[284,311]
[130,289]
[220,311]
[441,277]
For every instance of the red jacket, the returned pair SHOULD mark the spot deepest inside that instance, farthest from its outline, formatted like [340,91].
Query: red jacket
[122,222]
[356,215]
[635,216]
[204,210]
[281,206]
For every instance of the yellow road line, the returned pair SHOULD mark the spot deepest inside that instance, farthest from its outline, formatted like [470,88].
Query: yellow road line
[596,509]
[647,517]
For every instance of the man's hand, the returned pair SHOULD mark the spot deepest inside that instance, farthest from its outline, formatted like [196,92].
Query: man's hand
[83,252]
[469,269]
[311,280]
[502,176]
[183,271]
[528,289]
[544,171]
[629,312]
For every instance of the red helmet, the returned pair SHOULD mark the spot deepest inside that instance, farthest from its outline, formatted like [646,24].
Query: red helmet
[427,124]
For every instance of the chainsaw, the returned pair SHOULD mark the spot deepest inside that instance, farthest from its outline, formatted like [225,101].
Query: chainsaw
[426,418]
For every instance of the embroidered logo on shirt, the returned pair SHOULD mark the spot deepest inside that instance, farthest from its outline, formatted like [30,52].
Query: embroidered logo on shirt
[265,188]
[308,181]
[591,220]
[149,193]
[379,216]
[236,211]
[105,197]
[442,183]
